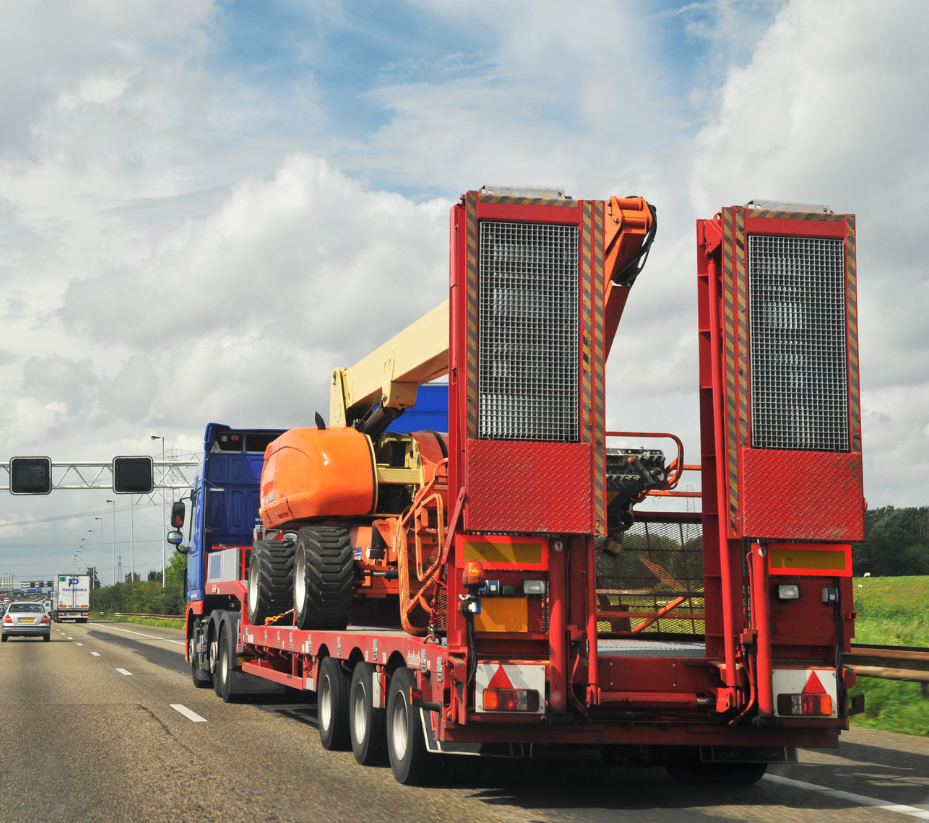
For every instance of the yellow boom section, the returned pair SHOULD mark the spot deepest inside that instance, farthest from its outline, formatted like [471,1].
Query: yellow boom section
[392,373]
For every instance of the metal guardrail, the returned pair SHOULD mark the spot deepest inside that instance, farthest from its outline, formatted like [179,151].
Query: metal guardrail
[890,663]
[135,614]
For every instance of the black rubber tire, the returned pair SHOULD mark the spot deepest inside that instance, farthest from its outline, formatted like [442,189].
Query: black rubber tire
[3,638]
[270,580]
[202,679]
[47,638]
[223,671]
[367,725]
[410,761]
[324,578]
[213,652]
[332,689]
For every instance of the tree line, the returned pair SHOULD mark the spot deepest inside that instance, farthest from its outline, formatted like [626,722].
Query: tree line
[137,596]
[896,543]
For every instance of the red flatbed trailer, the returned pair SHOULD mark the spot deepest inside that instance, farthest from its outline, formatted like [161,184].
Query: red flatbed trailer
[710,642]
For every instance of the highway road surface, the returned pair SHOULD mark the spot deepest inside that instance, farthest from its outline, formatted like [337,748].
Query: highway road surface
[103,724]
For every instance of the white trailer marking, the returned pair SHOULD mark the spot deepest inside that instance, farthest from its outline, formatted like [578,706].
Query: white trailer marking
[123,671]
[187,713]
[860,799]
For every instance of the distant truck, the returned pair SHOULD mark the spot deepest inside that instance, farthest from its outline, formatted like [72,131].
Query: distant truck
[71,599]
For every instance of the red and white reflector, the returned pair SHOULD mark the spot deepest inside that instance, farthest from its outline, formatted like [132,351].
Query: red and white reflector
[806,692]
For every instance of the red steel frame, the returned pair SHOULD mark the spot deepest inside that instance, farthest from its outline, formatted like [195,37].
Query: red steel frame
[675,689]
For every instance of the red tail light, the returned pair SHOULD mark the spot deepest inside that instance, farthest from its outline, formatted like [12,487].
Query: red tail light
[510,700]
[44,618]
[809,705]
[7,619]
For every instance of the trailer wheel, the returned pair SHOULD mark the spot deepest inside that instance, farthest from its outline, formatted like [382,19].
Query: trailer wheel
[270,579]
[323,578]
[410,761]
[332,701]
[366,723]
[223,671]
[202,679]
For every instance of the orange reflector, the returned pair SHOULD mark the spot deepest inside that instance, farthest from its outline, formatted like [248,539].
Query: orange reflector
[809,560]
[510,700]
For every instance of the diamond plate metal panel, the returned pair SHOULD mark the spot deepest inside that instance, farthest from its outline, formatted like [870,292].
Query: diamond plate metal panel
[791,495]
[529,487]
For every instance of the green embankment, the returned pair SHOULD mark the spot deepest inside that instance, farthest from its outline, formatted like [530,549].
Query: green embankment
[142,621]
[892,611]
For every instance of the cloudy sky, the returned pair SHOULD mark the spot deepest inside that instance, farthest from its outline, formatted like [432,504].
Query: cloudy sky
[205,206]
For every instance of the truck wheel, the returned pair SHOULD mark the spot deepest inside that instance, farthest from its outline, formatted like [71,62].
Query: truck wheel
[410,761]
[332,702]
[323,578]
[366,723]
[224,666]
[202,679]
[270,579]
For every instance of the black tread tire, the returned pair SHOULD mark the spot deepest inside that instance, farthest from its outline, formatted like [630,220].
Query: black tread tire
[224,665]
[410,761]
[332,689]
[324,578]
[367,725]
[270,580]
[202,679]
[3,638]
[47,638]
[212,651]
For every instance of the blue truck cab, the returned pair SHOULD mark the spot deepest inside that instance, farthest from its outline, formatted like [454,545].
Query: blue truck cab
[226,490]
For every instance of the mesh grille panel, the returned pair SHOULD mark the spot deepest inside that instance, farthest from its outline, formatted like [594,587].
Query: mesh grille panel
[528,332]
[653,566]
[798,358]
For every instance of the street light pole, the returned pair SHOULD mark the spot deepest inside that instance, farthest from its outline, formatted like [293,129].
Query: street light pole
[114,539]
[132,539]
[164,528]
[93,562]
[101,539]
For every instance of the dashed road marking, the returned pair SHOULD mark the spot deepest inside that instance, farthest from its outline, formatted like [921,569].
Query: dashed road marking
[150,636]
[860,799]
[187,713]
[96,654]
[79,644]
[123,671]
[70,638]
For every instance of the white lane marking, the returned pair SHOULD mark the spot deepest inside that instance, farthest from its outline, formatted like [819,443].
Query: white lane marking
[70,638]
[79,644]
[860,799]
[123,671]
[187,713]
[151,636]
[96,654]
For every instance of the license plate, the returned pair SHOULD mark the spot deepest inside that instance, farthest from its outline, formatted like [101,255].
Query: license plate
[27,620]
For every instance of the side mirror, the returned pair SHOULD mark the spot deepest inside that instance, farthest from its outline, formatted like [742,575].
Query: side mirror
[178,513]
[175,537]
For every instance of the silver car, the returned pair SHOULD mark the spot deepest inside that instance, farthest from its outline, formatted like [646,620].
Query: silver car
[26,619]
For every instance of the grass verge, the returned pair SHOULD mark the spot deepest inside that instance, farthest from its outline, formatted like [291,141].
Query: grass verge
[142,621]
[892,611]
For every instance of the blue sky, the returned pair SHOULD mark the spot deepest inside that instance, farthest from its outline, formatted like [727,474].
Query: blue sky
[206,204]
